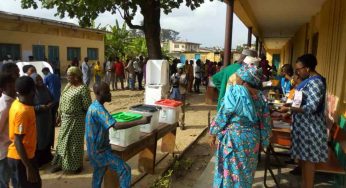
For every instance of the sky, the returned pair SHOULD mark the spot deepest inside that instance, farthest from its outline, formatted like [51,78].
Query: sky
[205,25]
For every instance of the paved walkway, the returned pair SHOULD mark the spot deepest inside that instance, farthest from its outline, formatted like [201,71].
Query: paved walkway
[286,179]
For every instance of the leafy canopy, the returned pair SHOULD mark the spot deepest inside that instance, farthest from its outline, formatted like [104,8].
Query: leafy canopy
[88,10]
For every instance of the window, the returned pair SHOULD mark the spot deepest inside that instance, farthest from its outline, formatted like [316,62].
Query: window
[93,53]
[176,45]
[38,52]
[183,46]
[9,49]
[53,53]
[72,53]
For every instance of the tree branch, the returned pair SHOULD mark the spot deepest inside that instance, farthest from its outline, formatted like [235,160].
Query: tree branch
[128,20]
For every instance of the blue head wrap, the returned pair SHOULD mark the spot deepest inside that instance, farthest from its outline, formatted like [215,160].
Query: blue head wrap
[251,75]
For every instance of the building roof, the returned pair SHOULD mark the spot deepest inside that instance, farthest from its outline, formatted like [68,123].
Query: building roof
[186,42]
[20,17]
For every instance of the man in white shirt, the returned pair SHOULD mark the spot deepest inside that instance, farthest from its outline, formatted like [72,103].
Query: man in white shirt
[86,70]
[108,68]
[8,95]
[197,72]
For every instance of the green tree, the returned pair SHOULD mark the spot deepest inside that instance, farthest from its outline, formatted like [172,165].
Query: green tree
[88,10]
[169,34]
[117,41]
[239,48]
[124,43]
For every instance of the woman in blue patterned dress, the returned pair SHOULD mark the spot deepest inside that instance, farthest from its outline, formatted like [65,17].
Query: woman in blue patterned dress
[309,130]
[241,127]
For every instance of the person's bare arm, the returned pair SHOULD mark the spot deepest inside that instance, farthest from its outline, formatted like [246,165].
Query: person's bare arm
[126,125]
[30,171]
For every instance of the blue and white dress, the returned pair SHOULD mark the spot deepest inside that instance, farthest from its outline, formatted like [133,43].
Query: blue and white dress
[309,130]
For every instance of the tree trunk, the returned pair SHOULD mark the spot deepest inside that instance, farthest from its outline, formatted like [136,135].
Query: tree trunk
[151,11]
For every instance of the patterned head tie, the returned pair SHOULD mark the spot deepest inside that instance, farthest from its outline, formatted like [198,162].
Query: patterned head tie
[74,71]
[251,75]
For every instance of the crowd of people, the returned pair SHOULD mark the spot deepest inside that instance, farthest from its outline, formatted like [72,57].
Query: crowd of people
[242,125]
[128,73]
[197,72]
[31,107]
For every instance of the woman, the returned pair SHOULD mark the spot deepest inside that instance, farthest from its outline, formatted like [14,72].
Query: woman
[43,102]
[97,72]
[178,91]
[241,127]
[309,131]
[74,103]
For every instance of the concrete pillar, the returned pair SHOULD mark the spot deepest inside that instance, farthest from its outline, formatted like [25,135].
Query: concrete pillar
[249,37]
[257,42]
[228,32]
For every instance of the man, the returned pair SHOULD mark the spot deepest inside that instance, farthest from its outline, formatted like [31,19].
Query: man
[23,137]
[28,70]
[8,94]
[264,64]
[56,66]
[131,74]
[140,72]
[119,73]
[53,82]
[10,68]
[189,73]
[98,121]
[197,73]
[221,78]
[86,70]
[109,69]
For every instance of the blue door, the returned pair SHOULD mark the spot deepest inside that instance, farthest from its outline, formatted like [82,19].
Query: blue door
[197,56]
[182,58]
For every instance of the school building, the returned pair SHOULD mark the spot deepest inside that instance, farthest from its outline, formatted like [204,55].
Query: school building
[23,36]
[287,29]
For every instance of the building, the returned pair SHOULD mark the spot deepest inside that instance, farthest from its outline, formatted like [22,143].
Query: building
[189,50]
[287,29]
[180,46]
[24,36]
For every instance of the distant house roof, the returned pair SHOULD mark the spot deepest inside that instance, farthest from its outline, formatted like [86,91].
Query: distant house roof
[20,17]
[186,42]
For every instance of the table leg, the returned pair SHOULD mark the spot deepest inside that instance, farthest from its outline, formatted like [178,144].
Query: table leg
[168,142]
[110,180]
[146,161]
[268,168]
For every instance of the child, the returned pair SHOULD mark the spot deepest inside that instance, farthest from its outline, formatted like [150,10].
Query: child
[23,137]
[98,122]
[8,94]
[178,91]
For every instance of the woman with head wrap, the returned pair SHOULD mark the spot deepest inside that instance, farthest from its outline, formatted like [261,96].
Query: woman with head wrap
[221,78]
[241,127]
[44,125]
[74,103]
[178,91]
